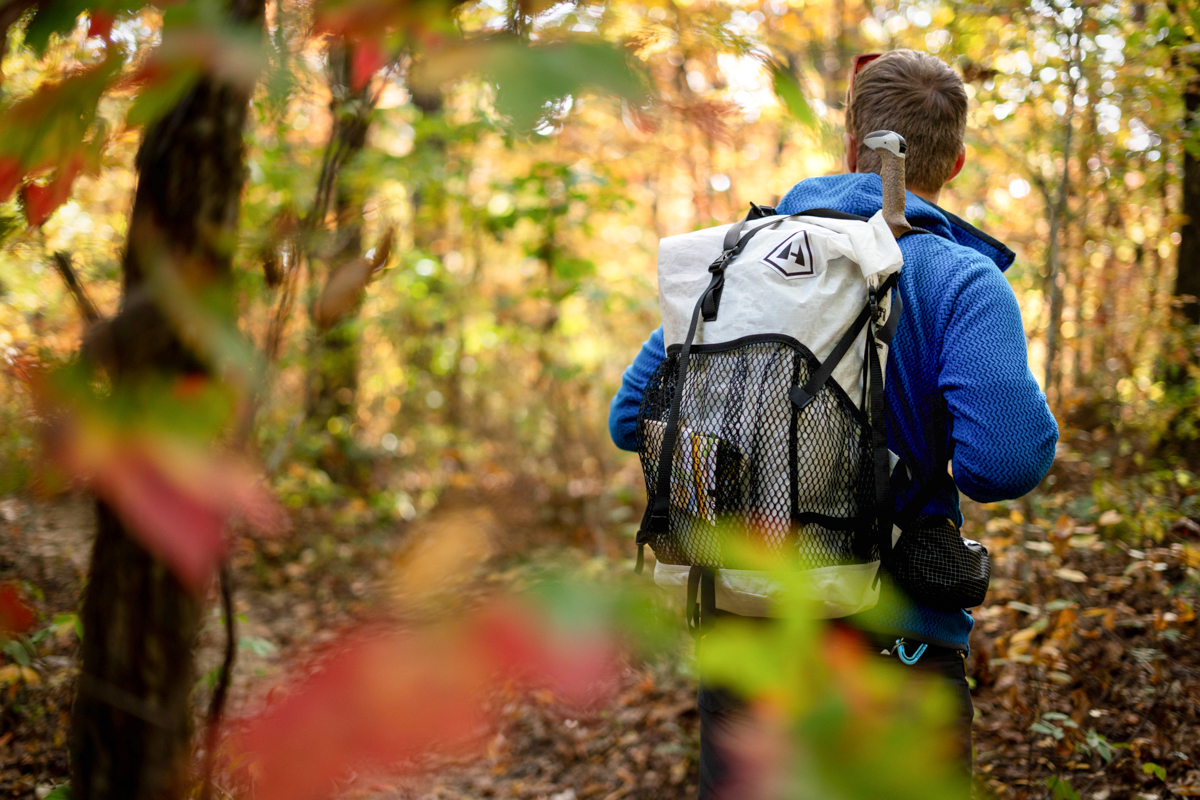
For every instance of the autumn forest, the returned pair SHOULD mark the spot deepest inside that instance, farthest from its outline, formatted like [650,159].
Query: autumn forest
[311,312]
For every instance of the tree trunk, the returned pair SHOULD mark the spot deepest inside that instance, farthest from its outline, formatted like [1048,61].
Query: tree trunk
[1182,357]
[1187,281]
[1058,213]
[131,728]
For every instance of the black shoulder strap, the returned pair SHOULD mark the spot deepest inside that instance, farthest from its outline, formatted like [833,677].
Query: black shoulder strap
[830,213]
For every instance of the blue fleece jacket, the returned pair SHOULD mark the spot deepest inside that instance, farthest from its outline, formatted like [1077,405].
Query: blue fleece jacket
[960,345]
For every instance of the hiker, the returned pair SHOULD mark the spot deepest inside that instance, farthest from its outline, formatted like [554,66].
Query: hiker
[958,386]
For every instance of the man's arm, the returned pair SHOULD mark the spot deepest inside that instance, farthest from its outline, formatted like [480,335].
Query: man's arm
[1003,430]
[622,414]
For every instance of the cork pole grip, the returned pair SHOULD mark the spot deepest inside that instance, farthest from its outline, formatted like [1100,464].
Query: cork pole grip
[893,192]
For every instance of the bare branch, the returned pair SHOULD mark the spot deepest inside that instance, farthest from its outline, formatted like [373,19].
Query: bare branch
[62,263]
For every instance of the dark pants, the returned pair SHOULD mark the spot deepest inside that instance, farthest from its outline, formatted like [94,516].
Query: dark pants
[725,717]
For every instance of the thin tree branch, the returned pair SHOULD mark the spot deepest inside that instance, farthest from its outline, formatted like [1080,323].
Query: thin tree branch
[216,707]
[62,262]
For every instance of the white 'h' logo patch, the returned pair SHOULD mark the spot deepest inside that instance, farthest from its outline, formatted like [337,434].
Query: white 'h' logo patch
[792,258]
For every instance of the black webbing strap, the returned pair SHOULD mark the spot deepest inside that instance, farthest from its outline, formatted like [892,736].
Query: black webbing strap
[916,504]
[802,396]
[879,448]
[831,213]
[888,330]
[701,603]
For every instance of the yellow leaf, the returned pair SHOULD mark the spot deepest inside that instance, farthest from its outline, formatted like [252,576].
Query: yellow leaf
[1072,575]
[443,554]
[14,673]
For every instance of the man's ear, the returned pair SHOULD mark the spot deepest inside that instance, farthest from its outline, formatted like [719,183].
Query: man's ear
[851,158]
[958,163]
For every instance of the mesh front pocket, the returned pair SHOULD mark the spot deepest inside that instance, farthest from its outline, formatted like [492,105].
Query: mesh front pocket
[750,469]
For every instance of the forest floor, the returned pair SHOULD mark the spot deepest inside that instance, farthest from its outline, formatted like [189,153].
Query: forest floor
[1084,658]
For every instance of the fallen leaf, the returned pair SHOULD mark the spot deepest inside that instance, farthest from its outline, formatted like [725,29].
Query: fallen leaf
[1072,575]
[1185,526]
[15,616]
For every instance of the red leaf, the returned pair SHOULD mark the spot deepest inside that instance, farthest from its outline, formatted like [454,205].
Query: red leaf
[41,201]
[179,529]
[100,24]
[11,173]
[15,616]
[178,502]
[176,497]
[393,697]
[367,59]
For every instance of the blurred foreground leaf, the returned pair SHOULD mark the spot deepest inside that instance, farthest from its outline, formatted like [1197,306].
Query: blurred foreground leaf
[530,79]
[377,699]
[788,90]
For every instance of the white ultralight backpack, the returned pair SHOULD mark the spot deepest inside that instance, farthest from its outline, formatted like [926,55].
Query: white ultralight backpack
[771,402]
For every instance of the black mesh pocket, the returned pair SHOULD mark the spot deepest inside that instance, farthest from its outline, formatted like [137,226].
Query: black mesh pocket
[750,470]
[935,565]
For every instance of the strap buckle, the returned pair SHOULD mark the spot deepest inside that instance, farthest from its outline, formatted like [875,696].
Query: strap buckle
[722,261]
[873,301]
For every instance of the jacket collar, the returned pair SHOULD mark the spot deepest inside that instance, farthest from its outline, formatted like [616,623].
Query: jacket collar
[862,193]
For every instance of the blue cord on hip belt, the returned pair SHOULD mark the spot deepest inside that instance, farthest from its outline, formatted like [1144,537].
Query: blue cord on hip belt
[898,649]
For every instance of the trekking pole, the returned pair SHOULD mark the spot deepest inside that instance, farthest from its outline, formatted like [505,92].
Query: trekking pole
[891,147]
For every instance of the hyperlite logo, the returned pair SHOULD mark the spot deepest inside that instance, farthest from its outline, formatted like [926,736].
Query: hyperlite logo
[792,258]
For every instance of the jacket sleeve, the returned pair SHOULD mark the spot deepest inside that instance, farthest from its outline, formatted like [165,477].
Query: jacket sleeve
[1003,430]
[622,414]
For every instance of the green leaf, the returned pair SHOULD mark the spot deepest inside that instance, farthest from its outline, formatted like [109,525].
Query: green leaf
[209,679]
[531,79]
[1061,788]
[60,793]
[157,99]
[73,619]
[1150,768]
[51,18]
[258,645]
[16,650]
[788,90]
[1048,730]
[573,269]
